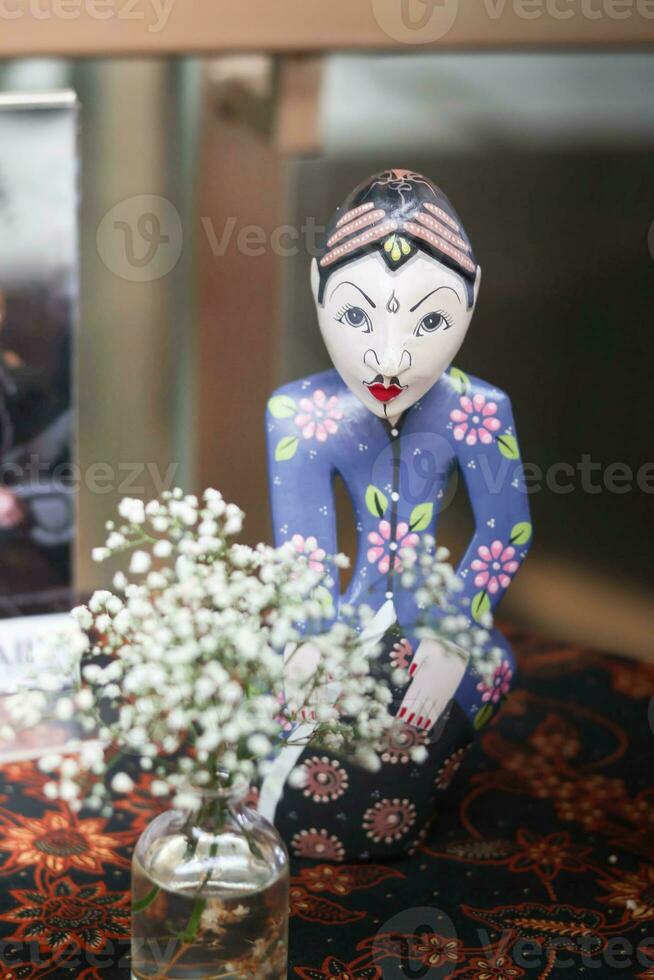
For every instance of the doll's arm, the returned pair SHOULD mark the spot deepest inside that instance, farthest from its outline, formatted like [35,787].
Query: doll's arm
[301,489]
[494,478]
[302,504]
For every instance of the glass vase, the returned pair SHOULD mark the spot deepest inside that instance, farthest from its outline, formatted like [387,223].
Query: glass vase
[210,894]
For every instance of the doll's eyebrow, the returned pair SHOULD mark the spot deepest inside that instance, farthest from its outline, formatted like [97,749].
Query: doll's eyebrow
[413,308]
[346,282]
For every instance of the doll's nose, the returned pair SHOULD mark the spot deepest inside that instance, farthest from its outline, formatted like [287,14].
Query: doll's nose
[394,362]
[391,364]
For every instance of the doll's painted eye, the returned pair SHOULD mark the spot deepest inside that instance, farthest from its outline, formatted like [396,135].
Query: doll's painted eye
[433,322]
[354,316]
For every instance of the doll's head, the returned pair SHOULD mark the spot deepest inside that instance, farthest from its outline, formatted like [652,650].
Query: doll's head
[395,289]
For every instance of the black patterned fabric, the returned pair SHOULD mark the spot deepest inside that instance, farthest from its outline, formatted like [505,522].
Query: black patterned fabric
[346,813]
[538,864]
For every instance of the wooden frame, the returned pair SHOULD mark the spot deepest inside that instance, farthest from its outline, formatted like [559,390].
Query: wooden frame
[124,27]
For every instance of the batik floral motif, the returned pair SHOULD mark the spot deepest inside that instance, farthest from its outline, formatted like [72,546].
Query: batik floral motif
[434,950]
[59,842]
[319,844]
[475,420]
[86,915]
[325,779]
[547,855]
[317,908]
[344,879]
[389,820]
[399,741]
[560,926]
[499,967]
[449,769]
[318,416]
[327,878]
[634,893]
[335,969]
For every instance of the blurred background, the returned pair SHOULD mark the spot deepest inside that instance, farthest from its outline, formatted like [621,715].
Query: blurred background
[190,318]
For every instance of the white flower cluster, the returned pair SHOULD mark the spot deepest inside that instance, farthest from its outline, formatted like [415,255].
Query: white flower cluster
[181,665]
[429,572]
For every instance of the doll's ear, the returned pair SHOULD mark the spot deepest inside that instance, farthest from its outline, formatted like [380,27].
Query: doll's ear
[477,285]
[315,279]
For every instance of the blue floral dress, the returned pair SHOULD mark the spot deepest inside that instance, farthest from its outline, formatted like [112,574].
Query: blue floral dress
[397,477]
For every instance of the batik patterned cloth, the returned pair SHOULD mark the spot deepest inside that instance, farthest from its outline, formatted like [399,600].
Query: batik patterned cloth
[540,861]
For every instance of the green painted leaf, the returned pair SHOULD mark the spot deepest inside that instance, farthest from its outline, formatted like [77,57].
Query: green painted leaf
[521,533]
[286,448]
[480,605]
[421,517]
[483,716]
[282,407]
[508,446]
[376,501]
[460,380]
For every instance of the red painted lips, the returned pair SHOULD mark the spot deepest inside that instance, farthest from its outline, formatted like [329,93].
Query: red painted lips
[383,393]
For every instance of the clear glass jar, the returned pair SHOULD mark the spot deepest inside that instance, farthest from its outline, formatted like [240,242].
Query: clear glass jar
[210,894]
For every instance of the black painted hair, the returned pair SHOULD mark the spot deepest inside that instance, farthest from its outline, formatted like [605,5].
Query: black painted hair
[397,213]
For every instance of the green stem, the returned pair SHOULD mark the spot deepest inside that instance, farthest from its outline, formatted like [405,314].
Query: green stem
[115,759]
[190,933]
[143,903]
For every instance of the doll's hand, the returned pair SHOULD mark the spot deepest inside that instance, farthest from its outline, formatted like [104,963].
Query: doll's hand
[300,666]
[435,675]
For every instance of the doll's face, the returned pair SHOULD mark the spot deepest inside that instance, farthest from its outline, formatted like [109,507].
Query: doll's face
[391,335]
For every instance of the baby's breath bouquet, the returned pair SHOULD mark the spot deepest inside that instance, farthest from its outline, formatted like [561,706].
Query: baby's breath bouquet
[181,667]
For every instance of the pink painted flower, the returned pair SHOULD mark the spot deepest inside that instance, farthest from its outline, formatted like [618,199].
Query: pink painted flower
[475,420]
[494,567]
[499,686]
[382,547]
[318,416]
[309,547]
